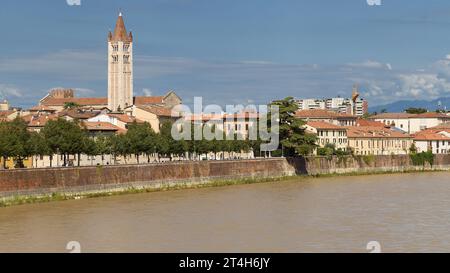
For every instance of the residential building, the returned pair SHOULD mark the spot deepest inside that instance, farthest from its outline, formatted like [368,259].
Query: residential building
[36,122]
[79,114]
[370,123]
[435,139]
[328,133]
[412,123]
[365,140]
[332,117]
[239,124]
[8,115]
[96,129]
[352,106]
[120,120]
[436,142]
[152,114]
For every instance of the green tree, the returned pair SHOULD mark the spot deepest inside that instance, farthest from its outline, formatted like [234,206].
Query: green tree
[89,147]
[103,145]
[328,150]
[140,138]
[413,110]
[292,134]
[64,138]
[71,105]
[14,141]
[38,146]
[413,148]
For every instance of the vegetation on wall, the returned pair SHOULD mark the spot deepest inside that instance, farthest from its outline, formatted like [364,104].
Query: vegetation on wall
[419,159]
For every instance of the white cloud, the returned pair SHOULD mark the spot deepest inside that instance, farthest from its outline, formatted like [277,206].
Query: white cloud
[228,82]
[422,86]
[371,65]
[8,90]
[147,92]
[65,64]
[84,91]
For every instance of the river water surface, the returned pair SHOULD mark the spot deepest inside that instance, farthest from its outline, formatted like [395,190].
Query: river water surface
[403,212]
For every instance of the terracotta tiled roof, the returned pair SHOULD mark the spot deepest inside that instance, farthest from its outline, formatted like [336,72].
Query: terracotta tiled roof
[79,114]
[99,101]
[374,132]
[79,101]
[5,114]
[148,100]
[370,123]
[433,115]
[100,126]
[40,120]
[27,118]
[157,110]
[431,135]
[393,116]
[125,118]
[324,125]
[42,108]
[409,116]
[442,126]
[320,113]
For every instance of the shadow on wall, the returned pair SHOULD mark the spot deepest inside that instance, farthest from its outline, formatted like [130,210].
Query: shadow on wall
[299,163]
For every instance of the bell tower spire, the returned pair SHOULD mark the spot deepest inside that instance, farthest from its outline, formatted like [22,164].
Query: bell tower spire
[120,67]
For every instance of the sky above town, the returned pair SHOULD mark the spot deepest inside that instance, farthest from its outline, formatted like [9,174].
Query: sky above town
[230,51]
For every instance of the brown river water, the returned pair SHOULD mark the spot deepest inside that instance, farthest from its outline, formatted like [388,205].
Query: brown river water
[403,212]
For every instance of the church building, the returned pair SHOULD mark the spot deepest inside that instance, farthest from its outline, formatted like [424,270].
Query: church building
[120,97]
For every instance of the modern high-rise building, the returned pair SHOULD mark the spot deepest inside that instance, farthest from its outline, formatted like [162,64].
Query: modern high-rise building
[353,106]
[120,67]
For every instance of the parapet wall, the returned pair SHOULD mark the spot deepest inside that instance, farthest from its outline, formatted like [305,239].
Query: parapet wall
[364,164]
[110,178]
[86,179]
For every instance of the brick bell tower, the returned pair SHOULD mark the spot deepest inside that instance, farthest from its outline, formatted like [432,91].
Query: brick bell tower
[120,67]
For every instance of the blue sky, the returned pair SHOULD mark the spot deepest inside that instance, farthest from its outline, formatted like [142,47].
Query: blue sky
[231,51]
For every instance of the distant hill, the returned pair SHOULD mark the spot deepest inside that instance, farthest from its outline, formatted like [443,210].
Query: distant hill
[400,106]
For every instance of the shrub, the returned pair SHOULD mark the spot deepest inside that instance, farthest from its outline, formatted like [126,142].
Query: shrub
[419,159]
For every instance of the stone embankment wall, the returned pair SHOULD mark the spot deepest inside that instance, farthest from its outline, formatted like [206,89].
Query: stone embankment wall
[91,179]
[364,164]
[111,178]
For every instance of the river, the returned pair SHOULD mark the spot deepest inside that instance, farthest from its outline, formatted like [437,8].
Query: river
[403,212]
